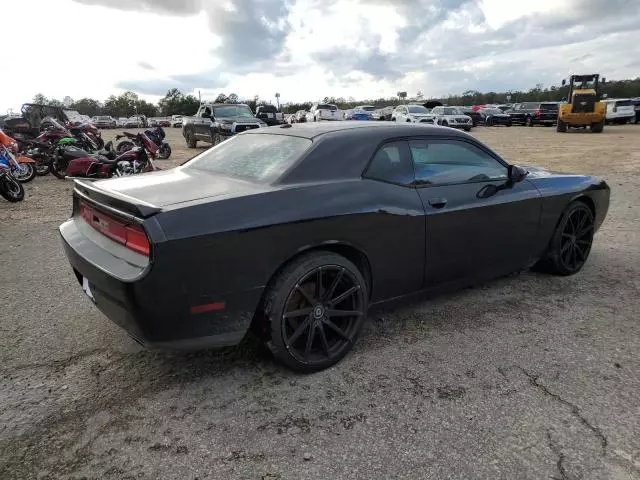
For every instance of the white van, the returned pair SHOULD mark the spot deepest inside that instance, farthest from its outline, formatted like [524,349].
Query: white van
[619,110]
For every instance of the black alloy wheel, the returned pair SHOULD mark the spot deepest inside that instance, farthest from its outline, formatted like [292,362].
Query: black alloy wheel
[528,122]
[571,243]
[316,309]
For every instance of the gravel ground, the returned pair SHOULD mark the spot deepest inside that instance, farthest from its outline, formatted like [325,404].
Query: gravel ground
[526,377]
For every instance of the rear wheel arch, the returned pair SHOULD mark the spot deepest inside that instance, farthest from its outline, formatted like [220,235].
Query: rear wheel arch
[356,256]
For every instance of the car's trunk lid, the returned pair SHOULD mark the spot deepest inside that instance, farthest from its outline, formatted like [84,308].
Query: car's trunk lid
[148,193]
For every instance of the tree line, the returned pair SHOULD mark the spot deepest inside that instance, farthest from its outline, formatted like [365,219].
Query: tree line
[175,102]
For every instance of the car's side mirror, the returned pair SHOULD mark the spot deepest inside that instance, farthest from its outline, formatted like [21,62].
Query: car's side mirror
[564,82]
[517,174]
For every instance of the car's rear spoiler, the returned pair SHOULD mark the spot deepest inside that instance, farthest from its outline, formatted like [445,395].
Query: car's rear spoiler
[114,200]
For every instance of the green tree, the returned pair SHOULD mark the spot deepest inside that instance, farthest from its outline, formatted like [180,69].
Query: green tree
[87,106]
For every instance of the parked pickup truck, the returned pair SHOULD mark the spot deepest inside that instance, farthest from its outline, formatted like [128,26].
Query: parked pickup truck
[534,113]
[269,115]
[216,122]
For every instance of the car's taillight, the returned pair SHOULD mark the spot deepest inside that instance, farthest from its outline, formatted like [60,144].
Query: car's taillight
[131,236]
[537,112]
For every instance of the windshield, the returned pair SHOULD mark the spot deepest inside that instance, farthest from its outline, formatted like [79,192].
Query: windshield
[367,108]
[260,158]
[450,111]
[548,106]
[232,111]
[268,109]
[417,109]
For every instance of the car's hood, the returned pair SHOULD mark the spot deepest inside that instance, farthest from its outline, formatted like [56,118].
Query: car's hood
[541,172]
[237,119]
[178,185]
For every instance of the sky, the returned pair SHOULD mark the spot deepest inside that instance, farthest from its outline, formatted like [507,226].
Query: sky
[309,49]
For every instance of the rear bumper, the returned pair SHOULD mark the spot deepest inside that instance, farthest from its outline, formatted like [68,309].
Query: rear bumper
[150,304]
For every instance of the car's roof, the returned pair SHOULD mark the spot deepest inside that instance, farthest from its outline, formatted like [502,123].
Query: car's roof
[383,129]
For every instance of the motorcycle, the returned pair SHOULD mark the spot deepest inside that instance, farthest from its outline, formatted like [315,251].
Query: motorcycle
[83,135]
[73,162]
[22,168]
[156,135]
[10,188]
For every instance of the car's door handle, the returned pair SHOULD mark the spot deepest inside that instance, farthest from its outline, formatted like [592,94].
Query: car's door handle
[437,202]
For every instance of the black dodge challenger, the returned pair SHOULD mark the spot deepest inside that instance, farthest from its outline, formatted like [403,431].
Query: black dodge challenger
[297,230]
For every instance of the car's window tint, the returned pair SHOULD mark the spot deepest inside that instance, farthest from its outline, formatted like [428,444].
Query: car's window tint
[260,158]
[392,164]
[438,162]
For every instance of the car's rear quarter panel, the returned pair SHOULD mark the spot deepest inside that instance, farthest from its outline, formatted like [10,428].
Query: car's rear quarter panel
[236,246]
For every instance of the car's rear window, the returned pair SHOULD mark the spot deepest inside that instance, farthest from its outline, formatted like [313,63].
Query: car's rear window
[548,106]
[325,106]
[268,109]
[623,103]
[260,158]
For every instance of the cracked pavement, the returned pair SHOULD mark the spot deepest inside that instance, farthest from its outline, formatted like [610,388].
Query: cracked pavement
[525,377]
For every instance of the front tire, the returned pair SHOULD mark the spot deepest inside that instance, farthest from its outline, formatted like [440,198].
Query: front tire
[571,243]
[315,309]
[528,122]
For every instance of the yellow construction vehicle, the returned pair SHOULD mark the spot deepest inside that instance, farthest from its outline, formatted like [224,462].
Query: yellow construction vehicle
[582,108]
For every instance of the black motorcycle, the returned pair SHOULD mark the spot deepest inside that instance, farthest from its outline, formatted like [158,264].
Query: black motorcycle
[156,135]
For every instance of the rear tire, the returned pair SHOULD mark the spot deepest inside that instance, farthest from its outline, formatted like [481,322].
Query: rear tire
[124,146]
[11,189]
[571,243]
[191,139]
[597,127]
[58,167]
[164,152]
[319,300]
[561,127]
[28,174]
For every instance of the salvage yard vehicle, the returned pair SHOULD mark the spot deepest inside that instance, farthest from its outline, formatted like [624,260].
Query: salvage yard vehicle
[494,116]
[452,117]
[583,109]
[72,162]
[294,231]
[619,110]
[215,122]
[534,113]
[412,114]
[270,115]
[104,121]
[324,111]
[361,112]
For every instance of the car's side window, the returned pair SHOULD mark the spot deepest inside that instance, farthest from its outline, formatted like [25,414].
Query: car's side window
[392,163]
[441,162]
